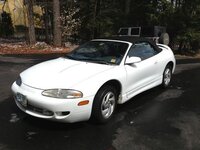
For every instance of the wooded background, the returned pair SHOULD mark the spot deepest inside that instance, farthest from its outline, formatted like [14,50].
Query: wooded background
[81,20]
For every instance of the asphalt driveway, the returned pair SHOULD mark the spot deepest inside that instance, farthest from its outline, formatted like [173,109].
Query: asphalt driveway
[154,120]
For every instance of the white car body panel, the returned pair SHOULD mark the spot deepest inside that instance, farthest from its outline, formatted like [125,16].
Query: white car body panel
[144,73]
[88,77]
[47,75]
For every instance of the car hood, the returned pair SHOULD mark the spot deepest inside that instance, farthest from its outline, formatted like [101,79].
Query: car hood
[61,73]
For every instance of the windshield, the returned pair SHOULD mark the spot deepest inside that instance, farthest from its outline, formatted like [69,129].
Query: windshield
[105,52]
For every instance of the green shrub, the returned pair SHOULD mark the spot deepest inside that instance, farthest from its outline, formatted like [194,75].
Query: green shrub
[6,25]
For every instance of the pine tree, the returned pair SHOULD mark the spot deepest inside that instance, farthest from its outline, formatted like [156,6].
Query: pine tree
[6,25]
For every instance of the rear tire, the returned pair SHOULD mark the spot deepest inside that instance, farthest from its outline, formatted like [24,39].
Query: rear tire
[104,104]
[167,76]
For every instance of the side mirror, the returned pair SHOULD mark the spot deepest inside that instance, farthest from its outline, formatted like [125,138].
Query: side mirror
[132,60]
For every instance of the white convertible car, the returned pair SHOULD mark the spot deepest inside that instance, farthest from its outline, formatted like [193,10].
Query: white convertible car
[91,80]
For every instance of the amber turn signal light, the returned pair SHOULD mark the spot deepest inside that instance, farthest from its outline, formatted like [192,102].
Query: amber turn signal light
[83,103]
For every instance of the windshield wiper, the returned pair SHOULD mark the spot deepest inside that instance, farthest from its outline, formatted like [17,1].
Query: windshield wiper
[100,61]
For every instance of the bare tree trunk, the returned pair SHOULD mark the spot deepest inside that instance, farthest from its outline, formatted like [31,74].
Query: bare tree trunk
[31,27]
[127,6]
[178,3]
[94,19]
[57,23]
[46,23]
[99,25]
[4,3]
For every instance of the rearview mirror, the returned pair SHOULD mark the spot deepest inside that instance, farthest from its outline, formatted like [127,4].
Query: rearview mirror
[132,60]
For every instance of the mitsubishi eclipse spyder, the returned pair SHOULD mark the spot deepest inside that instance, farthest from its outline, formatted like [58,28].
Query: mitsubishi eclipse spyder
[88,82]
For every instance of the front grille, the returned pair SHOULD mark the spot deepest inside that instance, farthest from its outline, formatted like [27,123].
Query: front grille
[39,110]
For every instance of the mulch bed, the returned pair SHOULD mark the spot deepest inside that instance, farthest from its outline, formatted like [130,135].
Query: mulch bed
[21,48]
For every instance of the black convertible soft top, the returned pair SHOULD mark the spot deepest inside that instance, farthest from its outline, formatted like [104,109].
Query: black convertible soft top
[132,40]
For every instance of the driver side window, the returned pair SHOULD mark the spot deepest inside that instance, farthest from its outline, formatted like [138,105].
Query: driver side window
[143,50]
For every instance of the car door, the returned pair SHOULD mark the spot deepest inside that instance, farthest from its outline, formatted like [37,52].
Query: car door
[143,73]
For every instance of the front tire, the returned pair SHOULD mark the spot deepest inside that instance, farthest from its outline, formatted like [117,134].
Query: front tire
[167,76]
[104,104]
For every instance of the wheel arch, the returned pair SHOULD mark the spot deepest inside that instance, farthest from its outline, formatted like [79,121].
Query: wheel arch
[171,64]
[115,83]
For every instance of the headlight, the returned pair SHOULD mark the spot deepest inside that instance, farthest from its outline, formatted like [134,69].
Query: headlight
[62,93]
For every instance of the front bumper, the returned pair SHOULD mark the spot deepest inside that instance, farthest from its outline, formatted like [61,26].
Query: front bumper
[63,110]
